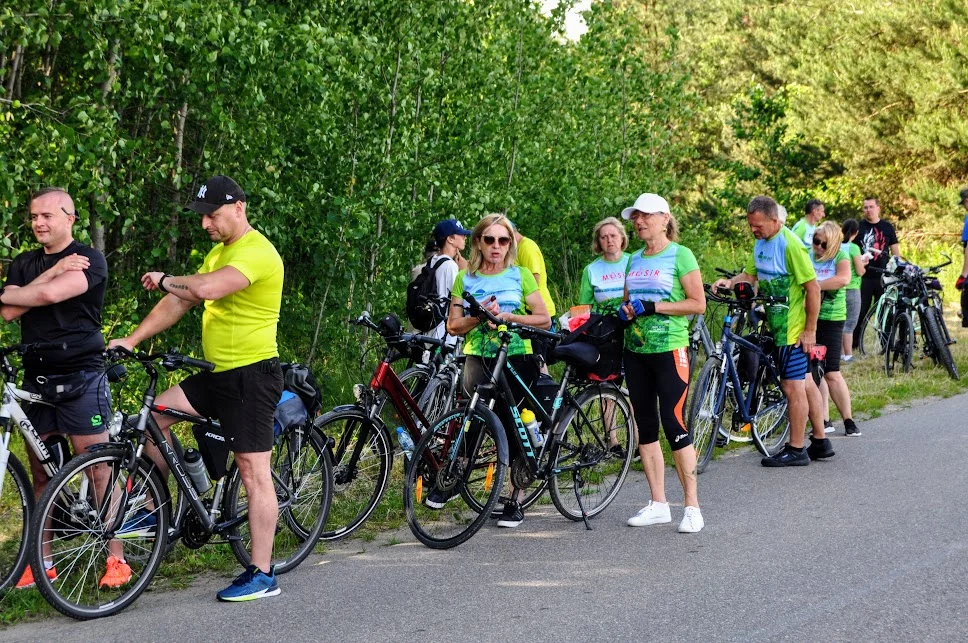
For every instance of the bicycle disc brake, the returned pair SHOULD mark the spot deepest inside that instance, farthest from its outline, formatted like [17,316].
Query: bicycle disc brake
[521,476]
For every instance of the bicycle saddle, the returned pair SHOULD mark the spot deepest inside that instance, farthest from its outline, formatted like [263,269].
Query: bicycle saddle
[576,353]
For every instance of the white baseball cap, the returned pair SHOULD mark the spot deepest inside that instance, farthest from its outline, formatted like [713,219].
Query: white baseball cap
[647,202]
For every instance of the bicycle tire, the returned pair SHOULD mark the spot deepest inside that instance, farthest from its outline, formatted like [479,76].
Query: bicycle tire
[704,421]
[308,473]
[437,398]
[67,503]
[872,341]
[586,436]
[473,492]
[900,345]
[16,507]
[936,332]
[290,546]
[771,423]
[362,459]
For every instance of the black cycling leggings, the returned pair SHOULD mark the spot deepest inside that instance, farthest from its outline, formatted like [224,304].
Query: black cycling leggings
[477,370]
[661,378]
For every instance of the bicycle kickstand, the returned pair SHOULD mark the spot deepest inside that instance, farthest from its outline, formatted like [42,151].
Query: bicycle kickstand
[579,483]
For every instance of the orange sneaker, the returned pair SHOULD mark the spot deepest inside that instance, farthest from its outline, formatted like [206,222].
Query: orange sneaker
[27,580]
[118,573]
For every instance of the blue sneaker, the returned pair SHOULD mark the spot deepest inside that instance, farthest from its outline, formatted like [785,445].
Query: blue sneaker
[141,525]
[252,584]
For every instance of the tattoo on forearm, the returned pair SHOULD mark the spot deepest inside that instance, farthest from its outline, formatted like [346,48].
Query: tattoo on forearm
[176,286]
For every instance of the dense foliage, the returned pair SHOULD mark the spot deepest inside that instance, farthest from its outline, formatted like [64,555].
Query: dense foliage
[356,124]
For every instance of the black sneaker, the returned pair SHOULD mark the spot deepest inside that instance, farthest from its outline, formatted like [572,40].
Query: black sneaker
[512,515]
[851,429]
[820,449]
[437,498]
[788,457]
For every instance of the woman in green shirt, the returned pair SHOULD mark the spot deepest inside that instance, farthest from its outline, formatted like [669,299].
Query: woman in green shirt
[603,280]
[832,266]
[858,266]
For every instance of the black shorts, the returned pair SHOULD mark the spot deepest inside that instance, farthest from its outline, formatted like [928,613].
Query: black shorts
[831,335]
[658,384]
[87,414]
[242,399]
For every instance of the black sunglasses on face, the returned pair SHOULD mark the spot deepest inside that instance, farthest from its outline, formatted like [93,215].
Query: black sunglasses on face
[501,241]
[822,244]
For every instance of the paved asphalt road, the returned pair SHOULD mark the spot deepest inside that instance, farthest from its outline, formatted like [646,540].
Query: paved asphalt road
[872,545]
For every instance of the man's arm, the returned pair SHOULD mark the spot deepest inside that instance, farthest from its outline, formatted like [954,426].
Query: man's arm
[896,249]
[200,287]
[808,339]
[162,317]
[60,288]
[73,263]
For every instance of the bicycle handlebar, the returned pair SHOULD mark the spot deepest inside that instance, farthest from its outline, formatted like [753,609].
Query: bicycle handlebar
[36,346]
[397,338]
[719,297]
[171,360]
[477,310]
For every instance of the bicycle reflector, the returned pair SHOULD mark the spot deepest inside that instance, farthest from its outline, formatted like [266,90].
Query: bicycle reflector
[743,290]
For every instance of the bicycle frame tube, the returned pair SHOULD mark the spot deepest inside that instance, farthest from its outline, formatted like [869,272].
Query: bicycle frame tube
[744,400]
[385,379]
[11,409]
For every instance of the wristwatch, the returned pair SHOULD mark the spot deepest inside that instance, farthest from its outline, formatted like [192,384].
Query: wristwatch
[161,282]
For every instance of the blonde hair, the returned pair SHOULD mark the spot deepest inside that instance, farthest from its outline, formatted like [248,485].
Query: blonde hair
[477,257]
[597,245]
[833,237]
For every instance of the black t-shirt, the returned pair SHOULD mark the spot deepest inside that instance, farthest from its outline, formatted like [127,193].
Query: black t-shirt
[75,321]
[879,236]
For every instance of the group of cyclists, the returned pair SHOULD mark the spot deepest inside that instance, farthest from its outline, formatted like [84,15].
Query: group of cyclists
[57,291]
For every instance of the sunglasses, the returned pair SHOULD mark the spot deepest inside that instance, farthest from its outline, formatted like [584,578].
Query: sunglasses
[501,241]
[822,244]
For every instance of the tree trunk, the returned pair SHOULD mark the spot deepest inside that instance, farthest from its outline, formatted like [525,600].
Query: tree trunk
[173,221]
[517,94]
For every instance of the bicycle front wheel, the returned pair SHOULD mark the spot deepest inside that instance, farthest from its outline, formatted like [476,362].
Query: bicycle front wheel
[302,468]
[451,487]
[71,531]
[705,418]
[362,458]
[771,423]
[900,345]
[16,505]
[600,418]
[937,335]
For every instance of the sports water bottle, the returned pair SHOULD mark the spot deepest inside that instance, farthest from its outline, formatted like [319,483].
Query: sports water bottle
[196,470]
[533,426]
[406,442]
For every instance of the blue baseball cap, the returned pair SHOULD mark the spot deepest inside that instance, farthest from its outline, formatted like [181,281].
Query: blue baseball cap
[448,227]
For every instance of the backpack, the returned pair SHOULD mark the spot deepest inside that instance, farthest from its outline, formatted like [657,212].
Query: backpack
[424,308]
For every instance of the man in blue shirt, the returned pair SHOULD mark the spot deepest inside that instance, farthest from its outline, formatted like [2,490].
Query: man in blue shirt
[960,284]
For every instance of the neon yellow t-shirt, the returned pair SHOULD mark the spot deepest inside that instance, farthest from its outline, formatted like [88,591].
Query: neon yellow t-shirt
[240,329]
[529,256]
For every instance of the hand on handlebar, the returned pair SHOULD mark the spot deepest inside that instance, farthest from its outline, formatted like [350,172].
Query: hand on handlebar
[124,342]
[721,284]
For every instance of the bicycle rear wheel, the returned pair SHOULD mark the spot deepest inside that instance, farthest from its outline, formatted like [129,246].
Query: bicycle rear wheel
[900,345]
[938,337]
[73,519]
[600,415]
[771,423]
[465,485]
[873,338]
[362,458]
[299,525]
[705,418]
[437,397]
[16,505]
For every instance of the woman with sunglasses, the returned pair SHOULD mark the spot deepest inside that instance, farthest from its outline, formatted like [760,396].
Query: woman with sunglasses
[832,265]
[662,287]
[507,291]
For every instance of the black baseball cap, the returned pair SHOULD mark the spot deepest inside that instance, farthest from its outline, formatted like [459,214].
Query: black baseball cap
[217,191]
[964,195]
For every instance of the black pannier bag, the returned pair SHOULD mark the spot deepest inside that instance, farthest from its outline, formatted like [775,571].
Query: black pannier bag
[607,334]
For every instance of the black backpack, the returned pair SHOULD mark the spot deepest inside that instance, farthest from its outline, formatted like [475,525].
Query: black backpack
[424,308]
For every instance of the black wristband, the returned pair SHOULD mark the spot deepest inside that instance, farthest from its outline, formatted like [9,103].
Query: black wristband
[648,308]
[161,282]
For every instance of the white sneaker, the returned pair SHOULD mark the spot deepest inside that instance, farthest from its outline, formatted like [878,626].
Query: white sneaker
[692,521]
[654,513]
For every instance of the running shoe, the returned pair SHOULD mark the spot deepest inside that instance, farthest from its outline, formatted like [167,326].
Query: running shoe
[512,515]
[437,498]
[27,580]
[692,522]
[820,449]
[141,525]
[788,457]
[654,513]
[117,574]
[252,584]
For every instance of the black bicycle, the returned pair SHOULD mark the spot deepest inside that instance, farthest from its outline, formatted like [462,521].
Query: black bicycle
[757,398]
[460,460]
[112,501]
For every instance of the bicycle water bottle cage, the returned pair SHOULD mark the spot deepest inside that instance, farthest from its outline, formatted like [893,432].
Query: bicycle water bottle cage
[743,291]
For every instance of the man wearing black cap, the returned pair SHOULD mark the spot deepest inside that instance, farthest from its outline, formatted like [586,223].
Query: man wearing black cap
[450,237]
[960,284]
[240,284]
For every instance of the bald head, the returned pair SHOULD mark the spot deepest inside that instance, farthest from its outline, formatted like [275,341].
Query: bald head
[52,215]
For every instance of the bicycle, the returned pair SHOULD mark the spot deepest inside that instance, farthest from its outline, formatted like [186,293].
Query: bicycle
[362,450]
[760,404]
[874,327]
[16,492]
[468,447]
[918,292]
[80,520]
